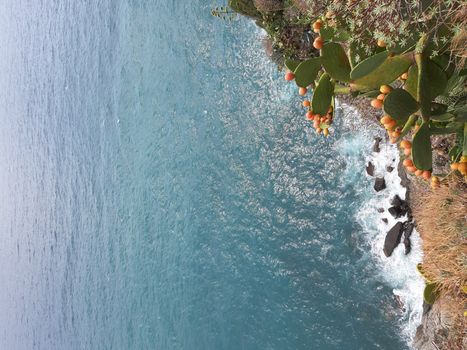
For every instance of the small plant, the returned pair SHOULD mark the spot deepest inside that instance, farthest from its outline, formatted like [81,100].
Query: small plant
[430,294]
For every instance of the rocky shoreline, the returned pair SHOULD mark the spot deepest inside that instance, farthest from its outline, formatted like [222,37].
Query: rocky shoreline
[433,333]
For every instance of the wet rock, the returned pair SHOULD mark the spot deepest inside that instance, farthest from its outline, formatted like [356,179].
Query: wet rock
[389,169]
[408,229]
[393,238]
[399,207]
[380,184]
[370,169]
[396,212]
[376,147]
[384,220]
[380,210]
[407,245]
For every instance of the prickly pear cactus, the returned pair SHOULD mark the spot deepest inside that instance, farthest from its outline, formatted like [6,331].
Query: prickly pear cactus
[335,61]
[400,105]
[306,72]
[323,94]
[421,148]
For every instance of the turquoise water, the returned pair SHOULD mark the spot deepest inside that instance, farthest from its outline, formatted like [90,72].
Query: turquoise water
[160,189]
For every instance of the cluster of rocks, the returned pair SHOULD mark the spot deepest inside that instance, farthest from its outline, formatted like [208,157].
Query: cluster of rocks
[398,209]
[400,229]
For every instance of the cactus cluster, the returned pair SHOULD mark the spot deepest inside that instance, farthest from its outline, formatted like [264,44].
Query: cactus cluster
[406,85]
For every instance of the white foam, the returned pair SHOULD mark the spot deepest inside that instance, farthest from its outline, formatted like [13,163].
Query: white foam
[399,270]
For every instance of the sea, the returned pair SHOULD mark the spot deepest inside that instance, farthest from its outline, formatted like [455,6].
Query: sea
[161,189]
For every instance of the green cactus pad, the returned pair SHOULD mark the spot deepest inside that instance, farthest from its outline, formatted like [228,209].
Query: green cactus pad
[292,64]
[446,64]
[335,61]
[421,148]
[437,78]
[400,105]
[368,65]
[306,72]
[430,294]
[322,96]
[411,84]
[423,87]
[384,73]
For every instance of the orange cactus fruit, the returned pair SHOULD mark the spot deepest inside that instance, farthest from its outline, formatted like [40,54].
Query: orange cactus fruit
[376,103]
[381,97]
[289,76]
[462,168]
[406,144]
[391,125]
[318,43]
[426,174]
[386,119]
[385,89]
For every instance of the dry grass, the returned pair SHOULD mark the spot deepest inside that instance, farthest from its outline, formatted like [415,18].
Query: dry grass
[441,217]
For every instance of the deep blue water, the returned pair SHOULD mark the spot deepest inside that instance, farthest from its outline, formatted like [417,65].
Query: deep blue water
[160,189]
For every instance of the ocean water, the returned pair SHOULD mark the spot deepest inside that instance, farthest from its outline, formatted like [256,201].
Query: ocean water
[160,189]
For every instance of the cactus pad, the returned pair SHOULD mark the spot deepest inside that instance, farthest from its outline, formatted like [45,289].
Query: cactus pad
[306,72]
[368,65]
[421,148]
[381,73]
[400,105]
[335,61]
[292,64]
[322,96]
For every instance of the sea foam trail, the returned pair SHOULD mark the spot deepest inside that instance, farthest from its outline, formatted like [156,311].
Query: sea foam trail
[399,270]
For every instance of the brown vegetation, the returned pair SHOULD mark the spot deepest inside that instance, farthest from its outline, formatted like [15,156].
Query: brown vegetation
[441,216]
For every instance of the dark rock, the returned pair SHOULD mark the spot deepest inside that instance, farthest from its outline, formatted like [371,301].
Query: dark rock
[380,184]
[400,207]
[408,228]
[396,212]
[384,220]
[370,169]
[405,182]
[407,245]
[376,147]
[380,210]
[397,201]
[389,169]
[393,238]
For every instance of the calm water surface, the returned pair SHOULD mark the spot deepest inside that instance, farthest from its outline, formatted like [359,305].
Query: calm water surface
[161,190]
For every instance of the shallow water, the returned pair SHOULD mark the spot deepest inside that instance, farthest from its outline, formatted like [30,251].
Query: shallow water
[161,190]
